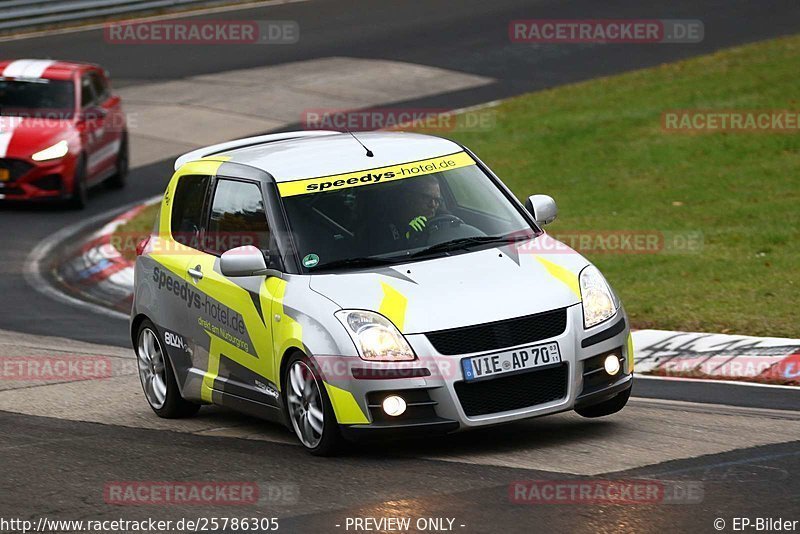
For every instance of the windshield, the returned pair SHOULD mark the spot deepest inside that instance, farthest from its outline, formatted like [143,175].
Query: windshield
[37,98]
[394,214]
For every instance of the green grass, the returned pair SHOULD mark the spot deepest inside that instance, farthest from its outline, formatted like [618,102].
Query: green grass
[598,148]
[134,231]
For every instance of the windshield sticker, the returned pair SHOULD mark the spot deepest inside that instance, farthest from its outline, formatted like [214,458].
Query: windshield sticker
[310,261]
[374,176]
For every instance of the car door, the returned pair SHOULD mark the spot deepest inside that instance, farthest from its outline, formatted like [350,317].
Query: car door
[92,126]
[176,246]
[110,126]
[232,326]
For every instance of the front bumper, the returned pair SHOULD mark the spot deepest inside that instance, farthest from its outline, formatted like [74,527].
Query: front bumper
[440,400]
[29,180]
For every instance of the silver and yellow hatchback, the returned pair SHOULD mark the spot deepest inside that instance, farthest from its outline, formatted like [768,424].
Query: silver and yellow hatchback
[351,287]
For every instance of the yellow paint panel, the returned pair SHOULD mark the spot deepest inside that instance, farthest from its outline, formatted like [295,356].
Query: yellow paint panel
[393,306]
[345,406]
[563,274]
[287,332]
[630,353]
[214,353]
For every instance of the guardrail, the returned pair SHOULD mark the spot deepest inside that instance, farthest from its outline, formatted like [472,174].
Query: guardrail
[24,14]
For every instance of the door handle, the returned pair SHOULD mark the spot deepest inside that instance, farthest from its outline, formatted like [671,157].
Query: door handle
[195,273]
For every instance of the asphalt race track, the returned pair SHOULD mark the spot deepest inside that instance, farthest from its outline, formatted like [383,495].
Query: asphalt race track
[62,444]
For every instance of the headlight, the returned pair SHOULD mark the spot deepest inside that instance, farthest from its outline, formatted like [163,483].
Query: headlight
[58,150]
[376,338]
[598,301]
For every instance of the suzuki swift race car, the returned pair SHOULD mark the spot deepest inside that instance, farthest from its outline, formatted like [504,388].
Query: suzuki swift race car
[349,292]
[61,131]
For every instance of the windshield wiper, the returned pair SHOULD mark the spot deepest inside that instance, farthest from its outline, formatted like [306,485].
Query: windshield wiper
[354,263]
[463,243]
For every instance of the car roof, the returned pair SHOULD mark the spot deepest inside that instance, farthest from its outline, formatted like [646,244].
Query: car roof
[48,69]
[317,154]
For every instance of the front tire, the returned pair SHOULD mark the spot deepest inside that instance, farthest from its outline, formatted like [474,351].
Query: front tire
[79,196]
[309,408]
[611,406]
[157,378]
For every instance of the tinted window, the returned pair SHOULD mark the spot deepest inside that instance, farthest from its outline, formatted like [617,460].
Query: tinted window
[238,217]
[187,210]
[44,98]
[87,92]
[375,221]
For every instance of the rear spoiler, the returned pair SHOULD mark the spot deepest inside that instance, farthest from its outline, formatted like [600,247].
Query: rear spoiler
[246,142]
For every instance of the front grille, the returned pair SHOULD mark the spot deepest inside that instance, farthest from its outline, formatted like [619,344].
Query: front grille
[500,334]
[513,392]
[16,167]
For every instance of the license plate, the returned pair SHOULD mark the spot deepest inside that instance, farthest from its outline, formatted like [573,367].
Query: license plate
[510,361]
[4,175]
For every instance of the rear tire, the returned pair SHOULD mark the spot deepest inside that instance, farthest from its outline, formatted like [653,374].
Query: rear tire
[79,196]
[611,406]
[157,378]
[119,178]
[305,397]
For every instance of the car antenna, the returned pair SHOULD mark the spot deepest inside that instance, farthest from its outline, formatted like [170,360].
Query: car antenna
[369,152]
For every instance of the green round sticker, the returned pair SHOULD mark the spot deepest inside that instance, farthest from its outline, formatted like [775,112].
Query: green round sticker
[310,261]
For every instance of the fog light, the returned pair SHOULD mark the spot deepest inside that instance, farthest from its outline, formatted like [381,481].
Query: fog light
[611,364]
[394,405]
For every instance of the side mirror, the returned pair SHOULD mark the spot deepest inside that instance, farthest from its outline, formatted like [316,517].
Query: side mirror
[245,261]
[543,208]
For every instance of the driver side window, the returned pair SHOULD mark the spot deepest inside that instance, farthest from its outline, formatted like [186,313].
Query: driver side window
[238,218]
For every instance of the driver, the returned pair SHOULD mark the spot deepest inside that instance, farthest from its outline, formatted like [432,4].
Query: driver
[420,202]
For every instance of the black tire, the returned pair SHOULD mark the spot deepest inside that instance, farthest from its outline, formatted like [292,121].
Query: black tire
[175,406]
[79,195]
[120,177]
[331,441]
[611,406]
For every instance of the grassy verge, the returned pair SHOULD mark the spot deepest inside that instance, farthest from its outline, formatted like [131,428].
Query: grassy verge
[134,231]
[599,149]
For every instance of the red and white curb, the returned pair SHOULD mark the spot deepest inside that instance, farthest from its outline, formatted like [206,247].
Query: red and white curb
[98,270]
[766,360]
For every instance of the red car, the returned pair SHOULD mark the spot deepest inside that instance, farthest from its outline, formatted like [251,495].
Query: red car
[62,131]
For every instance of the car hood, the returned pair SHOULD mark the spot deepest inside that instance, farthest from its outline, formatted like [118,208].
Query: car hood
[463,289]
[20,137]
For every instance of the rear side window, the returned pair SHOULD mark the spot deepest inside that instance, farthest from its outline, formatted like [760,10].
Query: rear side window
[187,210]
[88,96]
[100,86]
[237,218]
